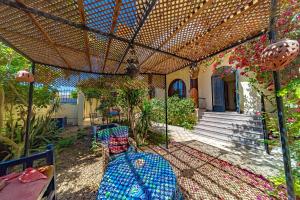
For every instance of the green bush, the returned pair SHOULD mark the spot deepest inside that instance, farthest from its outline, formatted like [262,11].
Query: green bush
[181,112]
[66,142]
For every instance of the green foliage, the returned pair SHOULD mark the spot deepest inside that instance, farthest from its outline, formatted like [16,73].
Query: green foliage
[180,112]
[74,94]
[279,181]
[144,121]
[43,129]
[65,142]
[131,99]
[10,62]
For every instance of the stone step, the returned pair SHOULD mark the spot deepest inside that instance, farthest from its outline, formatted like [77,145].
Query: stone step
[230,132]
[232,120]
[233,114]
[234,142]
[230,137]
[231,117]
[231,125]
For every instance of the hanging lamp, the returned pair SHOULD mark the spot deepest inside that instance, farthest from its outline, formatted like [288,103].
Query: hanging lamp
[278,55]
[24,76]
[132,69]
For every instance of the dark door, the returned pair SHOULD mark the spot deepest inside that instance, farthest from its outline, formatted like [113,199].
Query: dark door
[218,94]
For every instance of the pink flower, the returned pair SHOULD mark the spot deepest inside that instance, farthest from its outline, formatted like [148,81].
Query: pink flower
[291,120]
[257,113]
[263,38]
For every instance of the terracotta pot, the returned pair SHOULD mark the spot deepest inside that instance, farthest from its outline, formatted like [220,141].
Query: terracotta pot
[278,55]
[24,76]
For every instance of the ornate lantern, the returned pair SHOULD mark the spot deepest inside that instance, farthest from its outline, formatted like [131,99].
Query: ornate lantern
[132,69]
[24,76]
[194,71]
[278,55]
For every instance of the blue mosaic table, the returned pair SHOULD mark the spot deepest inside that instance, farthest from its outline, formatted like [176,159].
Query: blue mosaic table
[153,179]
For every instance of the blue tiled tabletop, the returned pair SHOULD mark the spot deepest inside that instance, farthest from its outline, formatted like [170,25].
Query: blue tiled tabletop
[124,179]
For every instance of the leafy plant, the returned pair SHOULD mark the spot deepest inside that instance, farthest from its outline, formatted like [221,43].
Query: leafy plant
[144,122]
[130,99]
[180,112]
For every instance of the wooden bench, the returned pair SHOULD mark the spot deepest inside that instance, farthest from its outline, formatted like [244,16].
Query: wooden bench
[49,187]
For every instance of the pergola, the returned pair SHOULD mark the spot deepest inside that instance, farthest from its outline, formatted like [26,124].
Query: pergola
[93,36]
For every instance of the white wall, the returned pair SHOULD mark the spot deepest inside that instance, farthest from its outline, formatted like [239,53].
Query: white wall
[183,75]
[204,86]
[249,98]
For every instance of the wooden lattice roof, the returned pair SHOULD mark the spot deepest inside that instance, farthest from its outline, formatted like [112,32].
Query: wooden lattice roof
[96,35]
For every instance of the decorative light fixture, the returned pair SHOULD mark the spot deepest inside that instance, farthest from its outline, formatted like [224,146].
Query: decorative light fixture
[132,69]
[24,76]
[278,55]
[194,71]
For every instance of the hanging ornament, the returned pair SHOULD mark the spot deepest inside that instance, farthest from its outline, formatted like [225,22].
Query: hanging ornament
[278,55]
[132,69]
[194,71]
[24,76]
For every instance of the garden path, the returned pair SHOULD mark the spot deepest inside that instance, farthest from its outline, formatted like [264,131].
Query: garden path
[256,161]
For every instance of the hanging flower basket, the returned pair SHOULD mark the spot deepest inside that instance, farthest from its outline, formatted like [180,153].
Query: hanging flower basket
[24,76]
[278,55]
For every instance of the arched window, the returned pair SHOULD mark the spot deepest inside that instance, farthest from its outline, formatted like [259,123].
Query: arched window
[177,87]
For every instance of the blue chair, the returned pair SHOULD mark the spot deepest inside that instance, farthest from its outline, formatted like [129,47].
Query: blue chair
[103,136]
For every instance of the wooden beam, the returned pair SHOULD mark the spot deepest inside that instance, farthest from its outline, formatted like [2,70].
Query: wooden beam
[183,24]
[14,4]
[149,8]
[47,37]
[44,33]
[35,39]
[112,28]
[85,33]
[222,23]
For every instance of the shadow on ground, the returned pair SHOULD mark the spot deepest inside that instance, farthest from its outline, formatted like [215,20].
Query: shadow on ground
[205,176]
[78,171]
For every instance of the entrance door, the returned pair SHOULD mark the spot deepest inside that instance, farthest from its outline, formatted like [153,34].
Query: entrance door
[218,94]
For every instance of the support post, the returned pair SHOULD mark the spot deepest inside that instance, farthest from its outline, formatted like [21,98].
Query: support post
[166,110]
[280,112]
[264,125]
[29,113]
[237,91]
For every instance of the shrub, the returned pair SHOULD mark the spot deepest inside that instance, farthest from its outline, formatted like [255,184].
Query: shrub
[180,112]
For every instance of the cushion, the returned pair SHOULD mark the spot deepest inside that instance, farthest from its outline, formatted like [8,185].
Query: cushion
[105,134]
[30,175]
[118,144]
[118,141]
[118,149]
[120,131]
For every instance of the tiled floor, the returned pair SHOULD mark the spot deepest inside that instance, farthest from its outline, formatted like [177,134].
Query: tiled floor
[206,176]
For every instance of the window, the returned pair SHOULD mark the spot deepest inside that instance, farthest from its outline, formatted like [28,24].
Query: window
[177,87]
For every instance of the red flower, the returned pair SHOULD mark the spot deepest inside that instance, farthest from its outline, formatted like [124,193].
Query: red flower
[243,73]
[263,38]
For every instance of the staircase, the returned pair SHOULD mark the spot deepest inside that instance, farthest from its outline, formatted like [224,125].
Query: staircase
[231,129]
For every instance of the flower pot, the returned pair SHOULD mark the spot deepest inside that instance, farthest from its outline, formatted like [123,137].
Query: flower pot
[278,55]
[24,76]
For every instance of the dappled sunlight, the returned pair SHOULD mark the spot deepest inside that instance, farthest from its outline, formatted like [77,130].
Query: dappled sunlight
[203,176]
